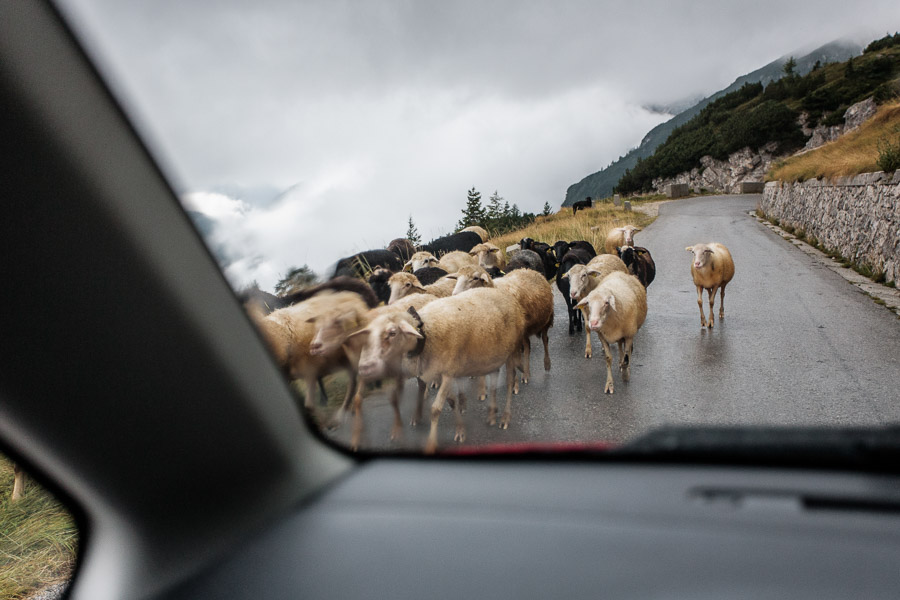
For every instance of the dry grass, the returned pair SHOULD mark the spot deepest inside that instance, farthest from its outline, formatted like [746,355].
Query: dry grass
[38,539]
[563,226]
[851,154]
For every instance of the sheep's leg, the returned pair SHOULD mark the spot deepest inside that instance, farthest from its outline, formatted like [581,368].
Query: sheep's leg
[324,399]
[712,300]
[310,399]
[510,375]
[526,364]
[621,354]
[722,302]
[18,484]
[460,435]
[700,304]
[588,350]
[609,378]
[357,420]
[420,401]
[482,390]
[397,428]
[571,310]
[436,408]
[545,338]
[626,359]
[355,387]
[492,407]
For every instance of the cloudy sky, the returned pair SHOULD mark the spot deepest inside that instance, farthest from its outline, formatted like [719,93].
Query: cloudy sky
[310,130]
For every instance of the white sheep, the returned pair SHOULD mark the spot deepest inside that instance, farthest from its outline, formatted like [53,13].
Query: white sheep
[403,284]
[617,308]
[468,335]
[584,278]
[479,230]
[620,236]
[712,269]
[452,261]
[420,260]
[534,296]
[288,332]
[489,256]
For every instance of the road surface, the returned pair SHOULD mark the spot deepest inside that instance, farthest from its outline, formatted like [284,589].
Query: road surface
[798,346]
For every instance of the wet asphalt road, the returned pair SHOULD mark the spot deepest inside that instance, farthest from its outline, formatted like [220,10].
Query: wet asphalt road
[798,346]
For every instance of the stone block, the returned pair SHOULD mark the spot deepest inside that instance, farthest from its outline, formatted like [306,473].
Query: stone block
[677,190]
[627,206]
[751,187]
[617,200]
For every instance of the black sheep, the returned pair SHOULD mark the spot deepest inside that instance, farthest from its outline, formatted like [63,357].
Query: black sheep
[364,262]
[525,259]
[582,204]
[639,263]
[462,241]
[575,256]
[545,252]
[335,284]
[378,281]
[583,245]
[428,275]
[403,248]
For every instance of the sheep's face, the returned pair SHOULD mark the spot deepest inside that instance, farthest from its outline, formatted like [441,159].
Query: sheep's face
[469,278]
[559,249]
[628,233]
[627,254]
[331,331]
[579,281]
[420,260]
[402,285]
[383,344]
[599,309]
[702,255]
[488,255]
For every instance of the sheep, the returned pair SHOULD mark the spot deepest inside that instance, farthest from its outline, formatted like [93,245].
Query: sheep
[639,263]
[420,260]
[462,241]
[18,490]
[402,247]
[429,275]
[289,331]
[452,261]
[362,263]
[561,247]
[543,250]
[583,279]
[378,281]
[488,256]
[616,308]
[533,294]
[525,259]
[468,335]
[712,269]
[620,236]
[512,248]
[403,284]
[569,260]
[582,204]
[333,328]
[479,230]
[583,245]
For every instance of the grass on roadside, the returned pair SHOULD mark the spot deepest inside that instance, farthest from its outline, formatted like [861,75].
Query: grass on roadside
[851,154]
[38,539]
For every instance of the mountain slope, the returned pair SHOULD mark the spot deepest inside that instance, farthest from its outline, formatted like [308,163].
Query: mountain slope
[601,183]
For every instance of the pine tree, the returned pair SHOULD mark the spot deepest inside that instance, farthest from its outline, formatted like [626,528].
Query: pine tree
[294,280]
[494,208]
[412,234]
[547,209]
[473,214]
[514,212]
[789,67]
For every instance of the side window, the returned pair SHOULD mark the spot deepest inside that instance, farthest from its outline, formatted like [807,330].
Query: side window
[38,538]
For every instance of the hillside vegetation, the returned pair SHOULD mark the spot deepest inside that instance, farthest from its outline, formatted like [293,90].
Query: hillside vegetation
[756,115]
[864,150]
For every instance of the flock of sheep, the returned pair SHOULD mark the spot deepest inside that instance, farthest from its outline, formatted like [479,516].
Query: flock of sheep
[460,307]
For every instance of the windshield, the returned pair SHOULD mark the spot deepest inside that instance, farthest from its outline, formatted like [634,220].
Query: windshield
[461,226]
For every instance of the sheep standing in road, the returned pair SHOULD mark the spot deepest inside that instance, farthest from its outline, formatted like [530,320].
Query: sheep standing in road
[712,269]
[617,308]
[583,279]
[468,335]
[639,263]
[489,256]
[533,295]
[620,236]
[570,259]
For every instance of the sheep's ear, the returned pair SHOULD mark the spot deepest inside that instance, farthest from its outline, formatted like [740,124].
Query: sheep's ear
[311,320]
[485,277]
[582,304]
[636,229]
[359,335]
[619,250]
[407,328]
[472,253]
[593,272]
[612,302]
[408,264]
[451,276]
[494,250]
[690,248]
[565,275]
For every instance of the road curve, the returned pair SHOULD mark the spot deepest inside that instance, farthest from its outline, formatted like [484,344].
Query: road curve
[798,346]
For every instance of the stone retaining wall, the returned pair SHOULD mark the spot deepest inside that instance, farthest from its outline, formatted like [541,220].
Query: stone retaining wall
[856,216]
